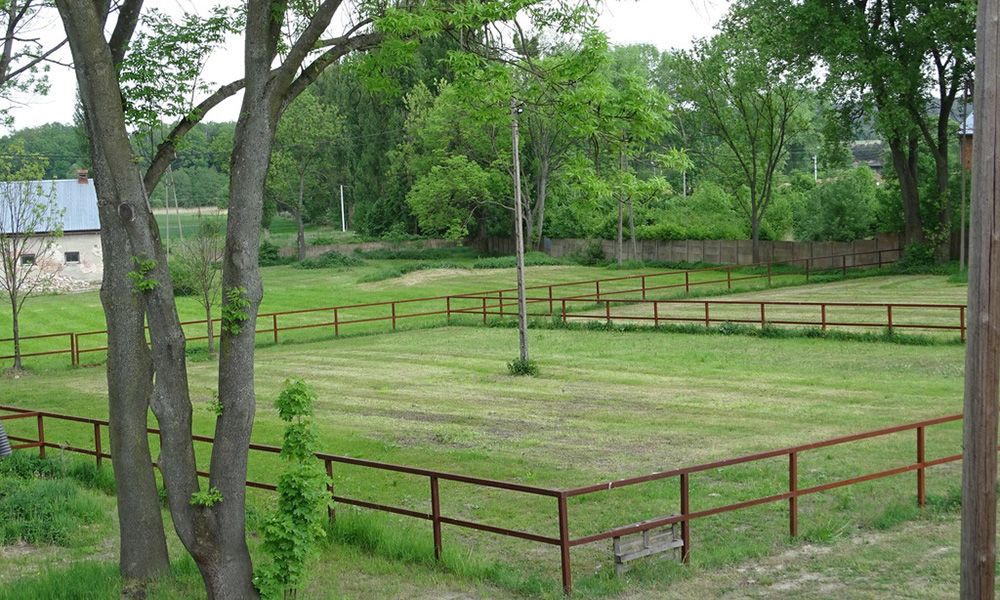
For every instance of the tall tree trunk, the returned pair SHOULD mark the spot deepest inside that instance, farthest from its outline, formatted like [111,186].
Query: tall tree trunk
[300,239]
[943,178]
[904,162]
[143,550]
[541,191]
[755,238]
[631,229]
[208,323]
[620,245]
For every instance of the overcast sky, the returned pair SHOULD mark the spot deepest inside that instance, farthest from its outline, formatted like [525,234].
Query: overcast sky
[663,23]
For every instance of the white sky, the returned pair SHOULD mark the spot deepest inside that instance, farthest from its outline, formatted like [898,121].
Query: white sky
[663,23]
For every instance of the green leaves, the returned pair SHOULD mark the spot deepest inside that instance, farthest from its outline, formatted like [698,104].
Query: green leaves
[206,498]
[291,533]
[235,310]
[140,278]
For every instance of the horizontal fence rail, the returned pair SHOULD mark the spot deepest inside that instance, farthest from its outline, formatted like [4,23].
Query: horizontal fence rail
[822,315]
[564,541]
[335,318]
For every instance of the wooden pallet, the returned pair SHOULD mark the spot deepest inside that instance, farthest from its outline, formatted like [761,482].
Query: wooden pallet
[651,542]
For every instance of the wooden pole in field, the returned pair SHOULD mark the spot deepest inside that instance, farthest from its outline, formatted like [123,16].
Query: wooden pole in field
[522,305]
[982,358]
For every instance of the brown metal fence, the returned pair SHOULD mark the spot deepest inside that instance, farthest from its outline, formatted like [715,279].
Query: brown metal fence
[565,540]
[822,315]
[336,318]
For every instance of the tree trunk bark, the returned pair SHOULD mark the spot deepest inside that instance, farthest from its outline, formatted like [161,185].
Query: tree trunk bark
[904,163]
[755,239]
[621,217]
[143,550]
[943,176]
[982,355]
[299,224]
[208,324]
[16,332]
[541,193]
[631,229]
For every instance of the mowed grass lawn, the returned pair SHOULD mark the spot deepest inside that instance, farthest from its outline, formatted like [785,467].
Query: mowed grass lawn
[607,405]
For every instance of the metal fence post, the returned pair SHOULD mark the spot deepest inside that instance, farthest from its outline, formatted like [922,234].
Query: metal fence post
[76,349]
[41,437]
[961,317]
[685,524]
[436,517]
[98,452]
[921,475]
[793,500]
[274,321]
[331,510]
[551,307]
[72,343]
[567,569]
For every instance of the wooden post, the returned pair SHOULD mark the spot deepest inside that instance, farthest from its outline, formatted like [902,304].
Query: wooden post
[484,309]
[567,569]
[393,316]
[961,317]
[643,287]
[687,282]
[656,313]
[563,311]
[793,501]
[685,524]
[331,510]
[982,360]
[597,289]
[436,517]
[843,265]
[41,437]
[72,352]
[274,325]
[551,307]
[921,475]
[729,278]
[707,320]
[768,274]
[763,321]
[447,303]
[607,311]
[823,314]
[98,452]
[888,314]
[336,322]
[500,302]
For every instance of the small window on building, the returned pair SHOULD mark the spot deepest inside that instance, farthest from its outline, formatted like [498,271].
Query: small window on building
[27,259]
[72,257]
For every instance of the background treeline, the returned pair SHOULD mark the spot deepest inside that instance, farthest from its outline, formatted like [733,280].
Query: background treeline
[733,139]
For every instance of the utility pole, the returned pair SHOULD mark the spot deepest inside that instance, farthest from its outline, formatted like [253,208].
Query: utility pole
[982,354]
[815,168]
[522,304]
[343,215]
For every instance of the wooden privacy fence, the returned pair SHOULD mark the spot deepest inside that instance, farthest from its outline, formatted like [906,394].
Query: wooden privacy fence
[822,315]
[565,541]
[335,318]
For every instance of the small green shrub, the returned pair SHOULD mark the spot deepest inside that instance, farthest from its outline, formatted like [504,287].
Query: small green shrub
[521,367]
[592,254]
[323,240]
[419,253]
[531,259]
[182,278]
[916,257]
[269,255]
[291,533]
[206,498]
[329,260]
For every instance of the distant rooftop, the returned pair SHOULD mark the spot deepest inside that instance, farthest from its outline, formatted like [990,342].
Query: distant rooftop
[969,126]
[77,199]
